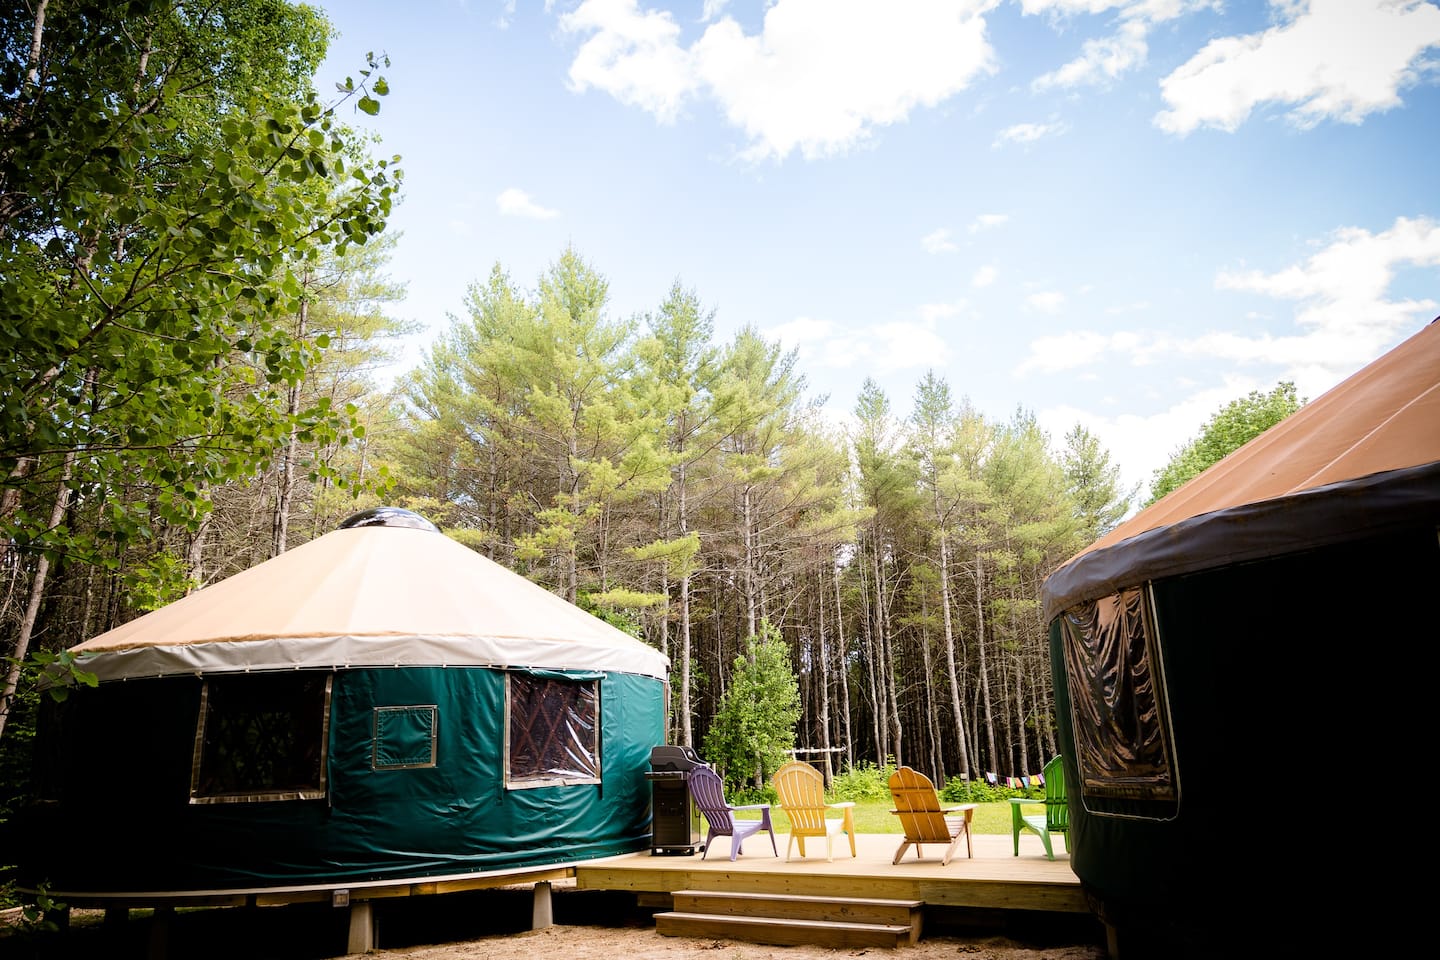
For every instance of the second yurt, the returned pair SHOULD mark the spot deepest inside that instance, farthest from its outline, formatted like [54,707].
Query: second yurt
[1233,668]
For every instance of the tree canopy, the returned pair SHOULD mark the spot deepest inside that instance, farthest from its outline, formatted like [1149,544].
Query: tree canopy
[170,182]
[1228,429]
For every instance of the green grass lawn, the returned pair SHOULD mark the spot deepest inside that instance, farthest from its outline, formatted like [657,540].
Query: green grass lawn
[875,817]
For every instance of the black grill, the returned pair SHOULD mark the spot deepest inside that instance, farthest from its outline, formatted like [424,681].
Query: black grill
[675,821]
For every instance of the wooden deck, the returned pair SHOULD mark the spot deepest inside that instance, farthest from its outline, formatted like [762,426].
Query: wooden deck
[992,884]
[994,879]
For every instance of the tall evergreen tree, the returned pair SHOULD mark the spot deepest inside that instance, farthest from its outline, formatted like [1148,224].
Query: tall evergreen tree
[1093,483]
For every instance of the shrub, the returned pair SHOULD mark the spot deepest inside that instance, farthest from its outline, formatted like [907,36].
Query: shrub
[749,793]
[958,790]
[863,782]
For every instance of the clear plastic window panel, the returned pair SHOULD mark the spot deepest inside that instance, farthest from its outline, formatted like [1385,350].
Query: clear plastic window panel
[554,729]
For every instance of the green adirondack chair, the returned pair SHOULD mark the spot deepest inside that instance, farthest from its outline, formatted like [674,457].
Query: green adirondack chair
[1055,819]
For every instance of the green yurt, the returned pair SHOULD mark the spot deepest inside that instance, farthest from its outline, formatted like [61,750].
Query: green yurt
[1232,668]
[379,704]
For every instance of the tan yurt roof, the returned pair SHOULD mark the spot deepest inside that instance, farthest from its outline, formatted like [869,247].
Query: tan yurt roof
[1359,458]
[368,595]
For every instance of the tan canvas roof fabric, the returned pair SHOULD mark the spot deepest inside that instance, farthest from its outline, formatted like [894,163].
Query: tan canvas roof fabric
[369,596]
[1360,456]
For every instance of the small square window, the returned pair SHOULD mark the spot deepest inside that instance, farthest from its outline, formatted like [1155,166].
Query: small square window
[404,738]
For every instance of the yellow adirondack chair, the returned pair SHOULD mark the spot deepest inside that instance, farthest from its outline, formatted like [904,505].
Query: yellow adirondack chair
[1055,819]
[924,820]
[801,789]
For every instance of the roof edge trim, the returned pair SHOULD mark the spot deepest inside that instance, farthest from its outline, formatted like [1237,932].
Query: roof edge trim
[1350,510]
[353,652]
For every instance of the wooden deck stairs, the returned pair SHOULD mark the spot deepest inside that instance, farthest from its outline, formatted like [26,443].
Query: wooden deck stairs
[790,920]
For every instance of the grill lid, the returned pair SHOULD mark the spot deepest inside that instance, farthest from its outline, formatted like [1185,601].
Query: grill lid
[673,758]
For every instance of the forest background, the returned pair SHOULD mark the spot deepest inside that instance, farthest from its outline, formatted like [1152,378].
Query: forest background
[196,350]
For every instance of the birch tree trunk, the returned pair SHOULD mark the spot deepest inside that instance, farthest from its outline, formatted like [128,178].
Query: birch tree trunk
[37,593]
[824,658]
[888,666]
[280,527]
[687,734]
[984,669]
[955,705]
[844,672]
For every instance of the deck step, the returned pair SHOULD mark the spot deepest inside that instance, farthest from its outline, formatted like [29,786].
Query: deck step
[780,931]
[795,907]
[792,920]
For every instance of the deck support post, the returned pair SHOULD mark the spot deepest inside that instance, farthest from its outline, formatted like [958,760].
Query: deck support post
[158,947]
[362,928]
[541,915]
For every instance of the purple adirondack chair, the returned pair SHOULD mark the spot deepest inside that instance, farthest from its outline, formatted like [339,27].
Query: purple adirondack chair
[708,791]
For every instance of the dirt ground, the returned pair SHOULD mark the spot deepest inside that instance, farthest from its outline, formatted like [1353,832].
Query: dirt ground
[495,925]
[598,943]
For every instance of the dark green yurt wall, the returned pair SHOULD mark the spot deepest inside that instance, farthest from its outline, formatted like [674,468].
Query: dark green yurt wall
[126,794]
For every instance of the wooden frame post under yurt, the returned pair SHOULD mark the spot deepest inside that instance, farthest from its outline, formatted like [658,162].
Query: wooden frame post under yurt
[1230,665]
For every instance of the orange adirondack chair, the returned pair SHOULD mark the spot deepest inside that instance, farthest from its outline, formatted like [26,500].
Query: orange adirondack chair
[801,789]
[925,821]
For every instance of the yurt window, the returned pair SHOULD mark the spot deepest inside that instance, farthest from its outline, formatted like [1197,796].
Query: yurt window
[404,738]
[1118,706]
[552,726]
[261,736]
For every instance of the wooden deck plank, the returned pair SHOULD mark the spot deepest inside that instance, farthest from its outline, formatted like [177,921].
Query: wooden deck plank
[847,909]
[783,932]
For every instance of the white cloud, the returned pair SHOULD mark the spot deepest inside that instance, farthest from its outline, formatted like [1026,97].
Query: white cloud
[515,202]
[881,348]
[1345,316]
[933,313]
[984,276]
[1101,60]
[820,77]
[632,55]
[1064,351]
[1331,59]
[1079,348]
[1046,302]
[801,331]
[906,345]
[1140,445]
[713,9]
[1343,301]
[987,220]
[1027,133]
[938,241]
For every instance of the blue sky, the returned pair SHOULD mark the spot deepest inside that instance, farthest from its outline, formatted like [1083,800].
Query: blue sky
[1120,213]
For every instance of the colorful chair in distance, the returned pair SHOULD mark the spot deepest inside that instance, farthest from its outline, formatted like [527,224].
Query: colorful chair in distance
[708,792]
[801,789]
[924,820]
[1055,819]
